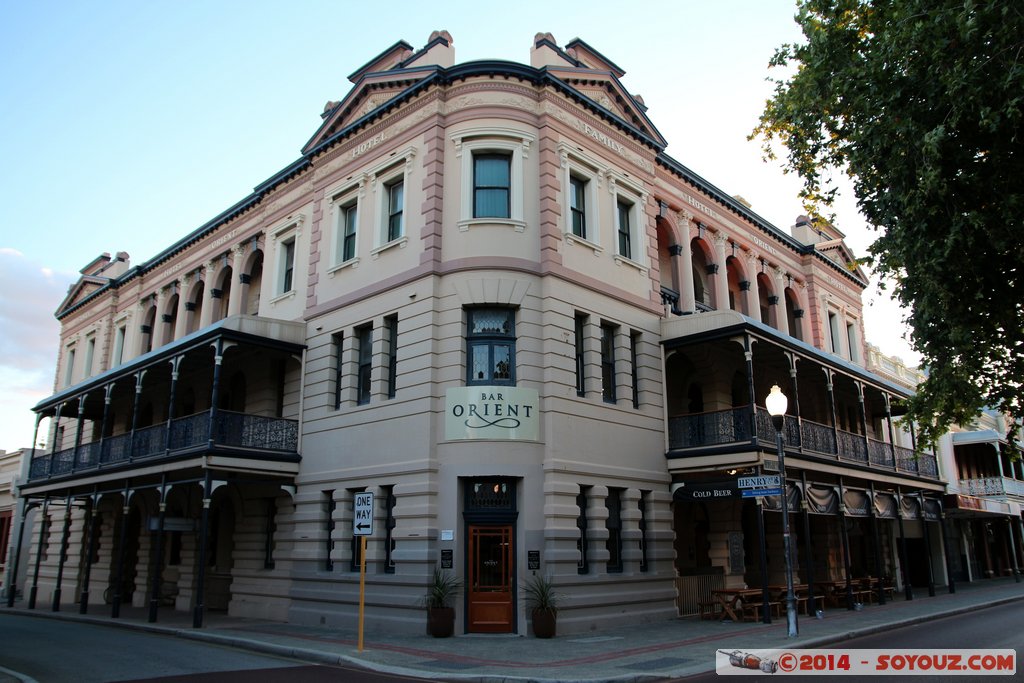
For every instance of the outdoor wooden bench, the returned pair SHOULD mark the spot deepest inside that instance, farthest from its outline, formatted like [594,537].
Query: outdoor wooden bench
[752,610]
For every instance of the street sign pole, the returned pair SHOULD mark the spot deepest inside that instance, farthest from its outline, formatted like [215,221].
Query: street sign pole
[362,526]
[362,587]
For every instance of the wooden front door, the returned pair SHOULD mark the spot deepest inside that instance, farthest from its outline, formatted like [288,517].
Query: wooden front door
[491,598]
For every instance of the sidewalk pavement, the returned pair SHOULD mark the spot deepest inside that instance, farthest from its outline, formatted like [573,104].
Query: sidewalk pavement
[649,652]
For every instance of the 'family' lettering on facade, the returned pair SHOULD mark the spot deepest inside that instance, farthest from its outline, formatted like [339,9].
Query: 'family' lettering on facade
[587,129]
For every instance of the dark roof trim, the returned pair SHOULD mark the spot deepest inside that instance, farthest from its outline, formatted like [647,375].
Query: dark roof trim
[561,53]
[439,40]
[728,202]
[582,43]
[399,44]
[257,195]
[443,76]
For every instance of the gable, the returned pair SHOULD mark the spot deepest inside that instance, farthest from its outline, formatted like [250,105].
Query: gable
[369,95]
[80,291]
[606,91]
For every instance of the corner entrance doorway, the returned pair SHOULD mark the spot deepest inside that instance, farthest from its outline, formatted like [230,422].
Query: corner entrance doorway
[489,591]
[489,511]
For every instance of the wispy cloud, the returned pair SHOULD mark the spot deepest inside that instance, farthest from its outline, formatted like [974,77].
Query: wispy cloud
[29,295]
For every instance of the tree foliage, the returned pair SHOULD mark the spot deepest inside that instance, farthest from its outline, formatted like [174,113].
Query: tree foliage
[920,103]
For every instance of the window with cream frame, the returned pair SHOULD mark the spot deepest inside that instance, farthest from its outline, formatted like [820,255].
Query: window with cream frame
[581,183]
[345,208]
[478,144]
[628,201]
[390,183]
[285,240]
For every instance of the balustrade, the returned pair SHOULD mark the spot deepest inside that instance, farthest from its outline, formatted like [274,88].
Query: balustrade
[852,446]
[235,430]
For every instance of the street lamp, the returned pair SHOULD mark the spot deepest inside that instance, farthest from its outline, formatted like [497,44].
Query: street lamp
[776,403]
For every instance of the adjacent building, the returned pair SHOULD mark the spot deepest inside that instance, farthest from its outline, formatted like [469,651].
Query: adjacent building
[486,295]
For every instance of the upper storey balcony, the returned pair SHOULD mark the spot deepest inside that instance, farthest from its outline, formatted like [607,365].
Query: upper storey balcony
[719,367]
[225,396]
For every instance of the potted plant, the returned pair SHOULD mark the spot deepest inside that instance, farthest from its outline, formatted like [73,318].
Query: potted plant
[542,601]
[439,600]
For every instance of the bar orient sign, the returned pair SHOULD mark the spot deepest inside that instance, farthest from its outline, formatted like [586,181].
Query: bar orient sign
[486,412]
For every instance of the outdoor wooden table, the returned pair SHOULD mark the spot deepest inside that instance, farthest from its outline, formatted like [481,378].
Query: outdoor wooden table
[733,599]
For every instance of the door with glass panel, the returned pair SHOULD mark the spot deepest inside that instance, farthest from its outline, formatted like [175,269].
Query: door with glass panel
[490,589]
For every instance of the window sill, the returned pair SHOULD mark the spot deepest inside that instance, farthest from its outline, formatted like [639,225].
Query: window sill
[623,261]
[466,224]
[290,294]
[573,238]
[400,243]
[351,263]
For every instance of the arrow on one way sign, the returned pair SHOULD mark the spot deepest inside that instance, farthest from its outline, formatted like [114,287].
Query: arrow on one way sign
[362,521]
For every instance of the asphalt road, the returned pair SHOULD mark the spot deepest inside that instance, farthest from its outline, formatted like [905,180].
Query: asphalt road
[54,651]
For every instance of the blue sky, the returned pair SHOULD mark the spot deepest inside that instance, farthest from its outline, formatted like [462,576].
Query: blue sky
[125,125]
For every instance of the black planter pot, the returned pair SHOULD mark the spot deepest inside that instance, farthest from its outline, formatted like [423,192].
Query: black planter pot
[544,623]
[441,621]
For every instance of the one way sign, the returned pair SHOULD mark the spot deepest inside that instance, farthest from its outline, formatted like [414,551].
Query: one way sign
[362,522]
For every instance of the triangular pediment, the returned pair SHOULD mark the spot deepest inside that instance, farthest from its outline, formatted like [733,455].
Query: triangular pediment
[370,93]
[78,292]
[603,89]
[837,251]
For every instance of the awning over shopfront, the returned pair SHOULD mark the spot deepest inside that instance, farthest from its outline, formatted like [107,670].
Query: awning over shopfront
[821,499]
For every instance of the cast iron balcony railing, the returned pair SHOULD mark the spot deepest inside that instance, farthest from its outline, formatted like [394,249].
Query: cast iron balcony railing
[992,486]
[732,426]
[231,430]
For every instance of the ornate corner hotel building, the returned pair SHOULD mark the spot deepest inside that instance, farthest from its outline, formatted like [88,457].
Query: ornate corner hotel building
[485,294]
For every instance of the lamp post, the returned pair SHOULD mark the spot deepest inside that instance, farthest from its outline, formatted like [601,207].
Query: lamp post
[776,403]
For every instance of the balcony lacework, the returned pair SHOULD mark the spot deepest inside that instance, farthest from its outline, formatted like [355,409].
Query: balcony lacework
[234,430]
[734,426]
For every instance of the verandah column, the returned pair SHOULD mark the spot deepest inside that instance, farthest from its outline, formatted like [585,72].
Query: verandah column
[204,523]
[115,603]
[927,545]
[44,524]
[62,555]
[90,535]
[908,591]
[846,545]
[878,546]
[158,565]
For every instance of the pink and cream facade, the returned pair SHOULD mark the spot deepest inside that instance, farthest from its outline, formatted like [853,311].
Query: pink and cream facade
[486,295]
